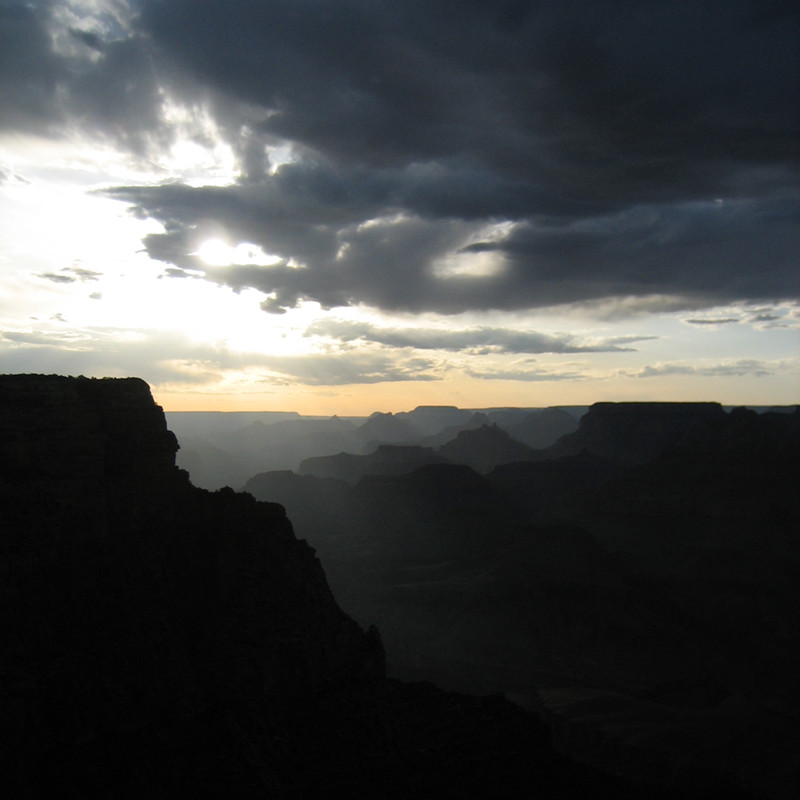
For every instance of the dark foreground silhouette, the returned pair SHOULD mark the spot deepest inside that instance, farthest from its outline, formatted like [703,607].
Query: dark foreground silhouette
[161,641]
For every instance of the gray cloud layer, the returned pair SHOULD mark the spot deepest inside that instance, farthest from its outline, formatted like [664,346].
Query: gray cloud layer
[449,156]
[477,340]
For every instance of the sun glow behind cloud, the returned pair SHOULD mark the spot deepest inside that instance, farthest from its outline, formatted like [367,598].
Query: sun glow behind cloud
[220,254]
[469,265]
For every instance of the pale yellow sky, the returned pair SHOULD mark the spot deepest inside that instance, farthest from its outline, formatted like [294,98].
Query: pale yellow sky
[471,393]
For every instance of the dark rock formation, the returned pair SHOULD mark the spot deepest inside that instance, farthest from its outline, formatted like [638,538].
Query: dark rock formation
[386,428]
[135,605]
[543,428]
[633,433]
[447,434]
[485,448]
[428,420]
[542,487]
[651,606]
[161,641]
[387,459]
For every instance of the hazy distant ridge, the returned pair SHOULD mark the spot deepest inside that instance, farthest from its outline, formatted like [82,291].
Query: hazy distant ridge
[221,449]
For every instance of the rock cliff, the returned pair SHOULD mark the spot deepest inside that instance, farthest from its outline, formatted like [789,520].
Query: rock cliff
[485,448]
[633,433]
[161,641]
[133,602]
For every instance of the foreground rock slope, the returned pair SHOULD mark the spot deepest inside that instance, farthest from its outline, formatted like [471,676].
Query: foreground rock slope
[160,641]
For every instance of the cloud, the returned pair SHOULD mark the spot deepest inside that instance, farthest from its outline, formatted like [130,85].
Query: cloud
[71,275]
[740,368]
[169,357]
[9,177]
[157,356]
[346,368]
[625,90]
[431,156]
[713,321]
[766,316]
[760,317]
[527,374]
[481,340]
[33,337]
[57,277]
[775,317]
[698,254]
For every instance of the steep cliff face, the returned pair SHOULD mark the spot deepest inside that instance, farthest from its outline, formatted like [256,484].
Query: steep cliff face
[133,602]
[70,445]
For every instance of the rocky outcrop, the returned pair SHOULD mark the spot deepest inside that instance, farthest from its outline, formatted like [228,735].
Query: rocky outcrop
[633,433]
[542,428]
[386,428]
[538,488]
[135,606]
[436,440]
[485,448]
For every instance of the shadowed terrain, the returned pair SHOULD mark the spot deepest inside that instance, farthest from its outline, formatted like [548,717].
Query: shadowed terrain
[159,640]
[635,582]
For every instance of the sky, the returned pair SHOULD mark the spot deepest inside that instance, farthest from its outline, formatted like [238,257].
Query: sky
[356,206]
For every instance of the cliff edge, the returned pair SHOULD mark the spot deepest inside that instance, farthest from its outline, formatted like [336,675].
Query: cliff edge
[161,641]
[135,606]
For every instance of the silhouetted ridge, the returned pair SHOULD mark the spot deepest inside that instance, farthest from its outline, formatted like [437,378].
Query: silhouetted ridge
[386,428]
[443,436]
[134,602]
[632,433]
[161,641]
[385,460]
[542,428]
[485,448]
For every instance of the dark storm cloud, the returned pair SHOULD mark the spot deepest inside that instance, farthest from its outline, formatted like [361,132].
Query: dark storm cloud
[631,149]
[29,70]
[57,79]
[703,251]
[609,84]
